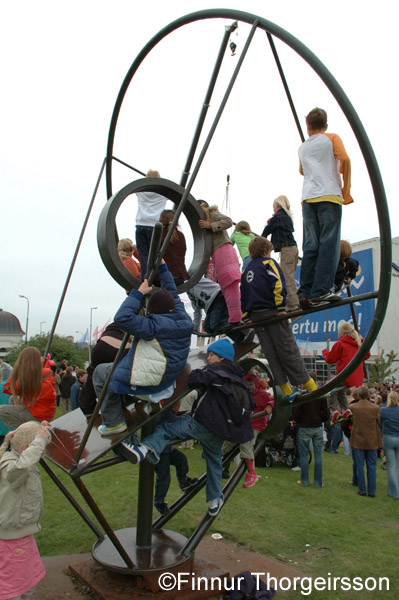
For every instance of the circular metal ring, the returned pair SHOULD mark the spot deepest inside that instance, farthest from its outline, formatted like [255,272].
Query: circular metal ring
[107,236]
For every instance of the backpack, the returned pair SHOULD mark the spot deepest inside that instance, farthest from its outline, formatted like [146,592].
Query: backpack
[225,408]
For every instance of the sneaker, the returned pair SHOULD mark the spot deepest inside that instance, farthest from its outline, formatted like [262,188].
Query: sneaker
[330,297]
[301,484]
[134,453]
[215,506]
[362,493]
[335,417]
[346,414]
[104,430]
[249,337]
[188,484]
[163,508]
[294,394]
[293,308]
[371,495]
[296,468]
[250,479]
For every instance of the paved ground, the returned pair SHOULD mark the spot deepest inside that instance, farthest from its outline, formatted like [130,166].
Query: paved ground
[227,556]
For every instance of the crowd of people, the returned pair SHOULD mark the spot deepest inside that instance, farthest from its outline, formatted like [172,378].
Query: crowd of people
[222,398]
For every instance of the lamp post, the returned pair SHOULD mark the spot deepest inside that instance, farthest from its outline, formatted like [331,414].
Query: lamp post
[27,317]
[91,319]
[41,323]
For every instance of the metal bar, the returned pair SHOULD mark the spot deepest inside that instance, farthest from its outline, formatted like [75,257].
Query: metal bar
[100,401]
[145,497]
[206,103]
[285,84]
[299,313]
[101,519]
[354,318]
[206,144]
[64,291]
[71,499]
[128,166]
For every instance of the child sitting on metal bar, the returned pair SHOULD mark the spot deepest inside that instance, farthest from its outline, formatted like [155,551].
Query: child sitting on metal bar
[159,351]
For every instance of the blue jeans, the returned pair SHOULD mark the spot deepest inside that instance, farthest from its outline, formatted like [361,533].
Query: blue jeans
[334,435]
[162,469]
[188,428]
[391,450]
[112,408]
[314,435]
[218,317]
[143,242]
[321,248]
[370,456]
[354,467]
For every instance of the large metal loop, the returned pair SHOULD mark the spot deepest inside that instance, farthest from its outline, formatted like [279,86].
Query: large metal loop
[107,236]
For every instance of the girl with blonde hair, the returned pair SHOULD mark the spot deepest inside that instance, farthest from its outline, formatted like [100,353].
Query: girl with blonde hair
[21,504]
[281,227]
[242,236]
[126,251]
[341,354]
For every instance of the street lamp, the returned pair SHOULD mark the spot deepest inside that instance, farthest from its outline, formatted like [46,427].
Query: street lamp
[27,317]
[91,319]
[41,323]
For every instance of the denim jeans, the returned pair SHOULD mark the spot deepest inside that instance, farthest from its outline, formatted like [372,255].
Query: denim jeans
[162,470]
[321,248]
[112,407]
[370,456]
[391,450]
[188,428]
[354,467]
[334,435]
[217,317]
[314,435]
[143,242]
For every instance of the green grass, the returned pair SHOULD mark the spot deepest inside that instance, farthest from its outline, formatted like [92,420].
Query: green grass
[348,535]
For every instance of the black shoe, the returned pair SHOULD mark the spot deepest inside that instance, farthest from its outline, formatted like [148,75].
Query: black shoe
[225,474]
[304,303]
[189,483]
[163,508]
[362,493]
[371,495]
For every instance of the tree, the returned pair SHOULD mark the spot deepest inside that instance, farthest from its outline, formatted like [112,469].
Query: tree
[382,367]
[60,348]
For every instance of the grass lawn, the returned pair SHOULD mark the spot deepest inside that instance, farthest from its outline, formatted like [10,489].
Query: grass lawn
[321,532]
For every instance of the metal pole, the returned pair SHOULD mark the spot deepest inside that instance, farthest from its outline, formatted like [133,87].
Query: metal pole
[91,320]
[285,85]
[64,291]
[27,317]
[186,171]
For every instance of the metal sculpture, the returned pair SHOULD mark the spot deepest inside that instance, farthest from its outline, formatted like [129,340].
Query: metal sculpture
[77,447]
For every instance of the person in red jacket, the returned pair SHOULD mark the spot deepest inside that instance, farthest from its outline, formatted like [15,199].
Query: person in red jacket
[32,387]
[342,352]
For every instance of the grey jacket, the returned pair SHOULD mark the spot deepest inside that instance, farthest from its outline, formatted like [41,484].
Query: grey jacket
[21,495]
[219,224]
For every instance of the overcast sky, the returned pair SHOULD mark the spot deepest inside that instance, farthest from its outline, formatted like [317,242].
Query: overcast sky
[62,66]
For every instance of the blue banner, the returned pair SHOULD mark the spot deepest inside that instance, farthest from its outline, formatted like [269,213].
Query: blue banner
[310,331]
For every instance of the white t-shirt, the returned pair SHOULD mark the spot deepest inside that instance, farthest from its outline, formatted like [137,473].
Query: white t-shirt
[150,207]
[320,168]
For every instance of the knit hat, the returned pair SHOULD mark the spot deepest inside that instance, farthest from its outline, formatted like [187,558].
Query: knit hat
[222,348]
[161,302]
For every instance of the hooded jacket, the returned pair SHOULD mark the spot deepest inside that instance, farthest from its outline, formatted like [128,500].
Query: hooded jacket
[160,345]
[262,399]
[341,354]
[21,496]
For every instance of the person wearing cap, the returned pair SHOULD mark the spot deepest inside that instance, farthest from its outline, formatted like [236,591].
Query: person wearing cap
[210,422]
[158,353]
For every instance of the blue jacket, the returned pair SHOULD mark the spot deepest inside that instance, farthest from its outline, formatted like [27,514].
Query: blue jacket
[263,286]
[389,416]
[281,229]
[160,345]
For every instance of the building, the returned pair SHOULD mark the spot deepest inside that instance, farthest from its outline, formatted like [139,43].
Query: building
[11,333]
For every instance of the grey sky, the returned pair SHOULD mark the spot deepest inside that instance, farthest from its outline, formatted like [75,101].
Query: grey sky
[63,64]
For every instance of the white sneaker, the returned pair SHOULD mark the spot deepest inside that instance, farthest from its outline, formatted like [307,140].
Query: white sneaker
[296,468]
[215,506]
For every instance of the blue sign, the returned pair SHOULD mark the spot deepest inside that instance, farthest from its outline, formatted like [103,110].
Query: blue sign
[310,331]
